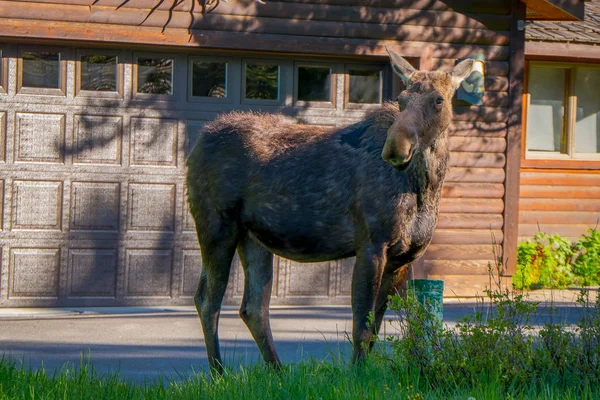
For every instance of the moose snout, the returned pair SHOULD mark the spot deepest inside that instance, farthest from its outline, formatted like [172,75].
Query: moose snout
[398,160]
[398,153]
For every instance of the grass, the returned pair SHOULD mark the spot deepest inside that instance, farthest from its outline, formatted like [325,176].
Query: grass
[309,380]
[493,354]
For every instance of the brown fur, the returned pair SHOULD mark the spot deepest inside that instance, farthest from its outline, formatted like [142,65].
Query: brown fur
[263,185]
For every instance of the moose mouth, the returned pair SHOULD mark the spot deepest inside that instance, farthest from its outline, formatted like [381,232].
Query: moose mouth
[400,165]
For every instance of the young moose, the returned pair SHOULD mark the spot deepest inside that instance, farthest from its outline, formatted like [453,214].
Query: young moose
[264,185]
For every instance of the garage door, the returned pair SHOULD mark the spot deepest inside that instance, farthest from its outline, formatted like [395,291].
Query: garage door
[93,146]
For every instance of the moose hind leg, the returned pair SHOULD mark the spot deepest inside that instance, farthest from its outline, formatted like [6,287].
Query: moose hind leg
[258,271]
[217,253]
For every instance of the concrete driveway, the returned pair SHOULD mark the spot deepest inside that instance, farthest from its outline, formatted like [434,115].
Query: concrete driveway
[145,342]
[141,343]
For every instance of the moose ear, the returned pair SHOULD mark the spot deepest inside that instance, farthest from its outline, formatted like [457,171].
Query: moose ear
[461,71]
[401,67]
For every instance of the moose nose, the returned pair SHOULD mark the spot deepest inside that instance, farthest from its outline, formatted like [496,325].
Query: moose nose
[397,160]
[387,154]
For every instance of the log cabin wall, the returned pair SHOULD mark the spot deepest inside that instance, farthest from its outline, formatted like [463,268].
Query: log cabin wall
[164,256]
[566,203]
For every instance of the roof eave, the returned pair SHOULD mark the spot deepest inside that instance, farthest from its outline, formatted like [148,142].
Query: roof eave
[555,10]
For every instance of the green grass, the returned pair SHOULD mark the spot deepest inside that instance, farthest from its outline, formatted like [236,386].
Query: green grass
[309,380]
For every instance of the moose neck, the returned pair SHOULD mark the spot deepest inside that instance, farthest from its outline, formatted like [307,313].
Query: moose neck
[429,168]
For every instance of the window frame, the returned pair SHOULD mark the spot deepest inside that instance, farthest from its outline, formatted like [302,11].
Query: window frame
[118,94]
[331,104]
[153,96]
[557,160]
[363,67]
[229,81]
[63,53]
[3,71]
[280,82]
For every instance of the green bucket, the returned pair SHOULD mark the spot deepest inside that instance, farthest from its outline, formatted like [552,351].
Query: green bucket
[430,293]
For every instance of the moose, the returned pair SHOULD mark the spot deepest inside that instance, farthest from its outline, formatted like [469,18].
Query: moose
[262,184]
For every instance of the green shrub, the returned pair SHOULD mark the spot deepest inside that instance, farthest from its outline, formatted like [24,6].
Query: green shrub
[587,263]
[544,262]
[529,255]
[499,347]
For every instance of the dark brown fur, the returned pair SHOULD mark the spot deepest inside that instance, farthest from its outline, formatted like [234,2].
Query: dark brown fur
[264,185]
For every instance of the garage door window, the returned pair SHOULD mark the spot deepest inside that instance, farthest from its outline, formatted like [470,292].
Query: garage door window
[314,83]
[209,79]
[99,73]
[261,81]
[364,86]
[41,70]
[155,76]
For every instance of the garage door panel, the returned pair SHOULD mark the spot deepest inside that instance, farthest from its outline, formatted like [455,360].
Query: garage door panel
[148,272]
[151,207]
[191,135]
[34,273]
[153,142]
[308,280]
[2,205]
[2,136]
[37,205]
[39,137]
[97,139]
[344,286]
[191,270]
[95,206]
[235,285]
[92,273]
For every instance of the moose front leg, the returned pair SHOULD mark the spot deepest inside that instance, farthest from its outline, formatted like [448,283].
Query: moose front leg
[366,283]
[391,283]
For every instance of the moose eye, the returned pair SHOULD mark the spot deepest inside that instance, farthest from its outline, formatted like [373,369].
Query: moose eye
[439,100]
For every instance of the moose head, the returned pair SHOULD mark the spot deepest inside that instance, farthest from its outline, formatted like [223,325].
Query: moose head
[426,109]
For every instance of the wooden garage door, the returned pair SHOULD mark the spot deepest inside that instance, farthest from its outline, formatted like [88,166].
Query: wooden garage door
[93,178]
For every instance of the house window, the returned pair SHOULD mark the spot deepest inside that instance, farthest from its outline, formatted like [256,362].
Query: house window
[261,81]
[209,79]
[40,70]
[99,73]
[314,83]
[587,117]
[364,86]
[155,75]
[563,112]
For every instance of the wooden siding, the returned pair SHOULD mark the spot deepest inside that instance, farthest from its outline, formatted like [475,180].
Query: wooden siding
[234,17]
[277,26]
[472,207]
[564,203]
